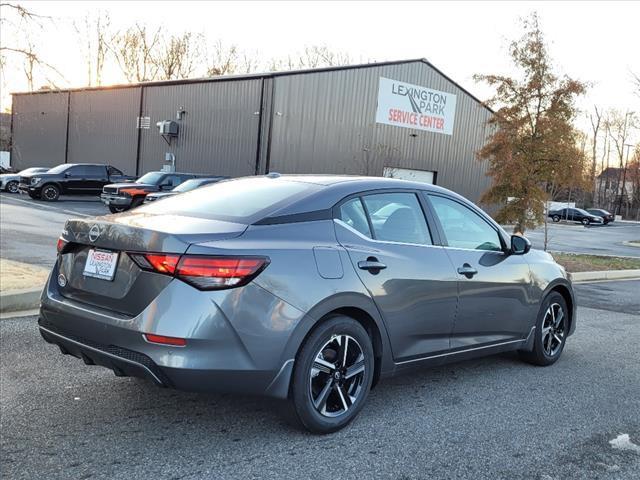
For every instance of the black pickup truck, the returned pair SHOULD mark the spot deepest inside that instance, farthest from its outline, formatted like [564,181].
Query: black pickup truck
[124,196]
[70,179]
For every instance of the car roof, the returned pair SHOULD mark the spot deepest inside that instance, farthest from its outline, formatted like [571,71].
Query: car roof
[333,188]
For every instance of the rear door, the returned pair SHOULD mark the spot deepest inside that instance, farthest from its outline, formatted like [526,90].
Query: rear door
[95,177]
[409,276]
[493,285]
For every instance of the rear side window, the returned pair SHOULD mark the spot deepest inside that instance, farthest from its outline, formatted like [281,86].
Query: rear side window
[397,217]
[352,213]
[242,201]
[94,171]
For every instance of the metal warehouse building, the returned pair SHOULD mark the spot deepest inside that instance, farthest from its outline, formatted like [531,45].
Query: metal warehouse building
[404,119]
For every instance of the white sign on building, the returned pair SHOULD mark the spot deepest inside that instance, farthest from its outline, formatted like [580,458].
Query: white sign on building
[412,106]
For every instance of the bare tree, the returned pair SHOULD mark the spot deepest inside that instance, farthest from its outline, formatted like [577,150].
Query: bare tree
[595,119]
[222,59]
[179,56]
[95,36]
[134,50]
[620,128]
[22,20]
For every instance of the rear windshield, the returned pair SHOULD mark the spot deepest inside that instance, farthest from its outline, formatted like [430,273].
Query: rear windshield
[244,200]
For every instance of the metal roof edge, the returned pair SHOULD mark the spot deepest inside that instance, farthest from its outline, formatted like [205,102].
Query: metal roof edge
[255,76]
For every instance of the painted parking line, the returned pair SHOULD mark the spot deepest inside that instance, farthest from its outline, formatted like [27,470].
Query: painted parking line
[47,207]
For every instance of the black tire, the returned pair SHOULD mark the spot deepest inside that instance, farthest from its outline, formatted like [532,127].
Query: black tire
[136,202]
[546,347]
[585,221]
[12,186]
[309,383]
[556,218]
[114,209]
[50,193]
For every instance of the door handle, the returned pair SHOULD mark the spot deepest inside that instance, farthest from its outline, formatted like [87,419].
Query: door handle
[467,270]
[372,265]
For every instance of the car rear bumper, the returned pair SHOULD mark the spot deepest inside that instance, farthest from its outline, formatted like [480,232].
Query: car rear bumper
[235,339]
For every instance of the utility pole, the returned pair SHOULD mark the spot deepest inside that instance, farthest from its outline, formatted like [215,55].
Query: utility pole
[624,176]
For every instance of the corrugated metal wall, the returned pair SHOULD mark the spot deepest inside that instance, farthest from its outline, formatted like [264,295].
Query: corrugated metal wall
[102,127]
[218,131]
[325,123]
[39,130]
[315,122]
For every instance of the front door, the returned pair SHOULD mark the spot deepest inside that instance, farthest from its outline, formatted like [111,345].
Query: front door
[493,285]
[411,280]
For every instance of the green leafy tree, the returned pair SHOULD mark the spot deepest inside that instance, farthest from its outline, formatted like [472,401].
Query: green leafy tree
[533,148]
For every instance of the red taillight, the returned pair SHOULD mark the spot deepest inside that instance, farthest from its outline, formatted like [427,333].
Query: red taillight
[205,273]
[163,263]
[210,273]
[157,262]
[61,244]
[162,340]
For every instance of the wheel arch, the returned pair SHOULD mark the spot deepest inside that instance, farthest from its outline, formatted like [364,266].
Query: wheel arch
[354,305]
[563,287]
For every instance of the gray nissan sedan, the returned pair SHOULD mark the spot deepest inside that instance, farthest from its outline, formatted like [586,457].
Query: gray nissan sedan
[308,288]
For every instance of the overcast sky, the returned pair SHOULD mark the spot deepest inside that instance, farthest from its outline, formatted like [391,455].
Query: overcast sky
[596,42]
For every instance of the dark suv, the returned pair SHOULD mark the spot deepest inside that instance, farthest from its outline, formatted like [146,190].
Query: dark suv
[70,179]
[124,196]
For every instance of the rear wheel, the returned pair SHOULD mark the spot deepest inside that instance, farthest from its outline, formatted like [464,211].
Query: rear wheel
[556,218]
[12,187]
[332,375]
[50,193]
[551,331]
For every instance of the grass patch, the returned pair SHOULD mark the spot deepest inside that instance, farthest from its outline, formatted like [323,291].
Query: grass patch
[592,263]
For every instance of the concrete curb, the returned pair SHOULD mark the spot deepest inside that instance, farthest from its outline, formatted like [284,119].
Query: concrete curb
[17,300]
[631,244]
[604,275]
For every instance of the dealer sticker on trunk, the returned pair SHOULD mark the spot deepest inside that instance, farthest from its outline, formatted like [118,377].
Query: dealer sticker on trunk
[101,264]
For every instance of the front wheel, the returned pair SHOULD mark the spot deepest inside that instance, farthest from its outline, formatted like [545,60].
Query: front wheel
[50,193]
[551,331]
[332,375]
[114,209]
[585,221]
[12,187]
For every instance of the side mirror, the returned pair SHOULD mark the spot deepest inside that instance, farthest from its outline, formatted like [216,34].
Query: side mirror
[519,245]
[67,175]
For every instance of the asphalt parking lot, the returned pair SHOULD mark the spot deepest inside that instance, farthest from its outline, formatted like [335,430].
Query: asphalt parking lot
[30,228]
[594,240]
[495,418]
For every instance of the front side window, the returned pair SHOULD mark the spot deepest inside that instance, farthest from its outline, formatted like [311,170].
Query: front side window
[463,227]
[397,217]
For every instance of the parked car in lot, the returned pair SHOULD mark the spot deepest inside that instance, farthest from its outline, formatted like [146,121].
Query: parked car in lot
[185,186]
[607,217]
[70,179]
[575,215]
[310,288]
[120,197]
[9,182]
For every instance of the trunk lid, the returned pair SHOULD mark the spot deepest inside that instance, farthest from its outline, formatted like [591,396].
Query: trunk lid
[131,288]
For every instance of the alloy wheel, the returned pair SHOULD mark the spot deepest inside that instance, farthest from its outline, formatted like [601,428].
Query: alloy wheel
[12,187]
[50,193]
[337,376]
[553,329]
